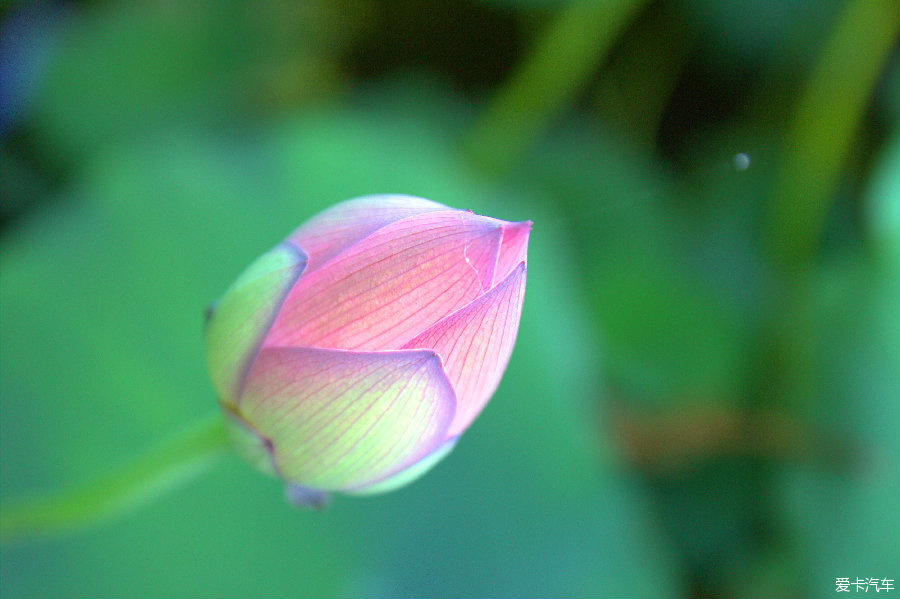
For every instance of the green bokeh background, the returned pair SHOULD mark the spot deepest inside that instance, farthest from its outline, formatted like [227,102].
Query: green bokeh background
[704,399]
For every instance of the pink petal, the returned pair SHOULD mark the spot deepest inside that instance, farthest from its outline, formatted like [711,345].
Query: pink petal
[513,248]
[338,419]
[334,230]
[476,343]
[395,283]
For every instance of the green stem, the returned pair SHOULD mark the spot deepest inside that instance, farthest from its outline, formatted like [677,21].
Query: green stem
[557,67]
[637,82]
[821,137]
[152,474]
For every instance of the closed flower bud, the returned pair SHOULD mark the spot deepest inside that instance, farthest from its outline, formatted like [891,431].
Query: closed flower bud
[353,355]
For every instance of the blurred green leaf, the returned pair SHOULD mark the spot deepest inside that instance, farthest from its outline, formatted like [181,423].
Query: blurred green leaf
[843,501]
[672,334]
[748,30]
[127,70]
[883,202]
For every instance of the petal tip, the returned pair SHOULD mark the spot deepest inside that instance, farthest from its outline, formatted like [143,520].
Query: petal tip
[514,248]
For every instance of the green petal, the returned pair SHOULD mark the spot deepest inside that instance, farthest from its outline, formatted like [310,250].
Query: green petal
[245,312]
[338,420]
[408,475]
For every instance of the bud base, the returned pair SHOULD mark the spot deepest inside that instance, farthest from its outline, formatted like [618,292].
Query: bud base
[306,498]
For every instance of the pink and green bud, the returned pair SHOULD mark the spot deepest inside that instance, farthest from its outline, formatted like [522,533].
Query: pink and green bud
[352,356]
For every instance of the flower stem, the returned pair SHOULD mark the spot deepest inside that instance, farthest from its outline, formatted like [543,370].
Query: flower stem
[821,138]
[159,470]
[557,67]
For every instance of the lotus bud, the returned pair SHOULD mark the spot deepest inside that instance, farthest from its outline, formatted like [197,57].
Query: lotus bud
[352,356]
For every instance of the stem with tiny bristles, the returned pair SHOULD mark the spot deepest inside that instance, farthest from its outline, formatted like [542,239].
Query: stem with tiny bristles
[160,469]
